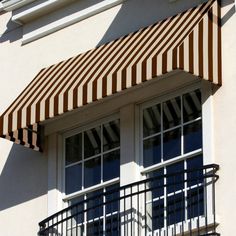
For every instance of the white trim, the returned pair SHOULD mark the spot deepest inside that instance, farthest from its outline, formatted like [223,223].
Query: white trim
[10,5]
[65,21]
[207,123]
[91,125]
[32,10]
[159,100]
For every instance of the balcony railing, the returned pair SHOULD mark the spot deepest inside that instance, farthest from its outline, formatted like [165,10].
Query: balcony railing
[182,203]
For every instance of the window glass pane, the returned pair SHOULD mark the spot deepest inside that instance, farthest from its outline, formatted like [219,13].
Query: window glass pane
[157,184]
[155,214]
[112,225]
[171,144]
[112,196]
[195,171]
[73,149]
[195,198]
[92,142]
[95,228]
[175,179]
[95,213]
[192,105]
[73,178]
[152,151]
[77,210]
[171,113]
[192,136]
[111,165]
[111,135]
[151,120]
[175,209]
[92,172]
[94,204]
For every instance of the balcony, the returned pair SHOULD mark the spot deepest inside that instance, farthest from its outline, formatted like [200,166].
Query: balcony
[182,203]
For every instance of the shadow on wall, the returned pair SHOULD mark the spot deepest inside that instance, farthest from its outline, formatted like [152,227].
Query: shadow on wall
[23,178]
[12,33]
[143,15]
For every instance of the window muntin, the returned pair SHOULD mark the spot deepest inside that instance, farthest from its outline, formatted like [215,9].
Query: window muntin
[177,138]
[92,156]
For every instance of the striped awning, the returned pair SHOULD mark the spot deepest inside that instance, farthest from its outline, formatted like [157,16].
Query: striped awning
[189,41]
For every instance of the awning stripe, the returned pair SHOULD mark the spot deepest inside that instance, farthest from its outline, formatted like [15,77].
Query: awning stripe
[190,41]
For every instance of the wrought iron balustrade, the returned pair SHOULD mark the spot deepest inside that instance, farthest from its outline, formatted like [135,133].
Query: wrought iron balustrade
[182,203]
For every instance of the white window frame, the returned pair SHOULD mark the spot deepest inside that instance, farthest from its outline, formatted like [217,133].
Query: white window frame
[207,124]
[207,134]
[102,185]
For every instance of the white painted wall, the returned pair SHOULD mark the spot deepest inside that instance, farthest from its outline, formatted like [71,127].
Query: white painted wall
[24,173]
[225,126]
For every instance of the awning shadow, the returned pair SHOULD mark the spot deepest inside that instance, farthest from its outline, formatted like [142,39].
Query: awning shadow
[23,177]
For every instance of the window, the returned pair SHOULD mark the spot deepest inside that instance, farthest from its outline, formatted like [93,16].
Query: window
[92,157]
[171,148]
[92,162]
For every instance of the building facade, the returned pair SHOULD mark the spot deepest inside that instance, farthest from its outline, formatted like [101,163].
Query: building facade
[117,117]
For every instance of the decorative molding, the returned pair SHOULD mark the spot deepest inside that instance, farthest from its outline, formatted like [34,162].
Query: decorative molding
[68,20]
[10,5]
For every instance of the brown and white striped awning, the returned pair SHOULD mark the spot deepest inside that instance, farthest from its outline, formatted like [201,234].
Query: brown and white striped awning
[189,41]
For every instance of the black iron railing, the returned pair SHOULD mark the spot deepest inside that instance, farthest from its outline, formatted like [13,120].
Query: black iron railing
[181,203]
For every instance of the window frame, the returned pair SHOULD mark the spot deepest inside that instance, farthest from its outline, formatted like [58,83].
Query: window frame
[182,156]
[207,125]
[102,185]
[207,134]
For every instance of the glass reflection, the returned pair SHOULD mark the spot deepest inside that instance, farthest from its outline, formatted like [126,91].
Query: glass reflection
[92,172]
[111,135]
[151,120]
[92,142]
[192,136]
[74,149]
[152,151]
[73,178]
[111,165]
[171,113]
[171,144]
[191,105]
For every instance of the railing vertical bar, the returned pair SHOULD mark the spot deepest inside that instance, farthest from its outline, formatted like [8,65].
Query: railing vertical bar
[174,205]
[213,202]
[118,218]
[131,220]
[198,204]
[190,203]
[138,211]
[145,209]
[124,214]
[206,212]
[183,211]
[66,222]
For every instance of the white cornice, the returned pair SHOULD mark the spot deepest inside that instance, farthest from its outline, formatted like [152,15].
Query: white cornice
[10,5]
[36,9]
[69,20]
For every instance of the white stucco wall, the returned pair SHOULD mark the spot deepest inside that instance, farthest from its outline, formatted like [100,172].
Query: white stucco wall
[225,125]
[24,173]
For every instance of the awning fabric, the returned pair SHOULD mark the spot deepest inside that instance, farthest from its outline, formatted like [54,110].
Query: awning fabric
[189,41]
